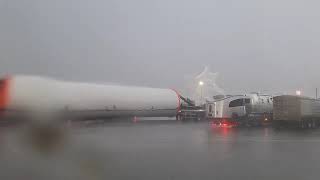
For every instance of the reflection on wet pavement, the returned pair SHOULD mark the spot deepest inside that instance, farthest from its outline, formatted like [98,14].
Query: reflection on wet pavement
[175,150]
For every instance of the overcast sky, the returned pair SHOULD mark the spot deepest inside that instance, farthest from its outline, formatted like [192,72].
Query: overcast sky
[255,45]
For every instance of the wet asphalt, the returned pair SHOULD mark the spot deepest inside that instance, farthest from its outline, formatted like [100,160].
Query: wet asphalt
[197,150]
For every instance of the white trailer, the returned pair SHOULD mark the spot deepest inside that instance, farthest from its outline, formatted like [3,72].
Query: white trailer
[298,111]
[83,100]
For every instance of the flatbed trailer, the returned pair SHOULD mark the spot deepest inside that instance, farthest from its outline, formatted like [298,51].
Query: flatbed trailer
[296,111]
[191,115]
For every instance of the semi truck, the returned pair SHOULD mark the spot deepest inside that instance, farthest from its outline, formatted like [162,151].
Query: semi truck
[296,111]
[251,109]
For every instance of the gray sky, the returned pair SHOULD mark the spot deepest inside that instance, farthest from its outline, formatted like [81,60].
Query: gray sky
[266,45]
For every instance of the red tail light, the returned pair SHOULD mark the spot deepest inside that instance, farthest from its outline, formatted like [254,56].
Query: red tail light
[4,93]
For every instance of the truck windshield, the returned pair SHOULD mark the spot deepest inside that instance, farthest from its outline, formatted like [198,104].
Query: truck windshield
[239,102]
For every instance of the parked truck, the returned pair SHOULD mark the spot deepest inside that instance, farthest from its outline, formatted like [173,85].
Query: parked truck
[296,111]
[251,109]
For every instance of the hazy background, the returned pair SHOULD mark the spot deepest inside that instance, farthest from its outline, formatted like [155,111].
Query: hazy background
[255,45]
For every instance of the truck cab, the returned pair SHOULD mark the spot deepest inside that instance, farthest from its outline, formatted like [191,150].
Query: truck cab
[240,108]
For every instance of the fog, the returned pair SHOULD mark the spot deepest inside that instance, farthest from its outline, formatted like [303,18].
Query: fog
[268,46]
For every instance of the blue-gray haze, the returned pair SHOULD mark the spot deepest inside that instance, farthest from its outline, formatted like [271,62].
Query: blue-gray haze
[255,45]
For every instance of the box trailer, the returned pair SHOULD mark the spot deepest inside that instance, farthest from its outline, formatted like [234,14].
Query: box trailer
[298,111]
